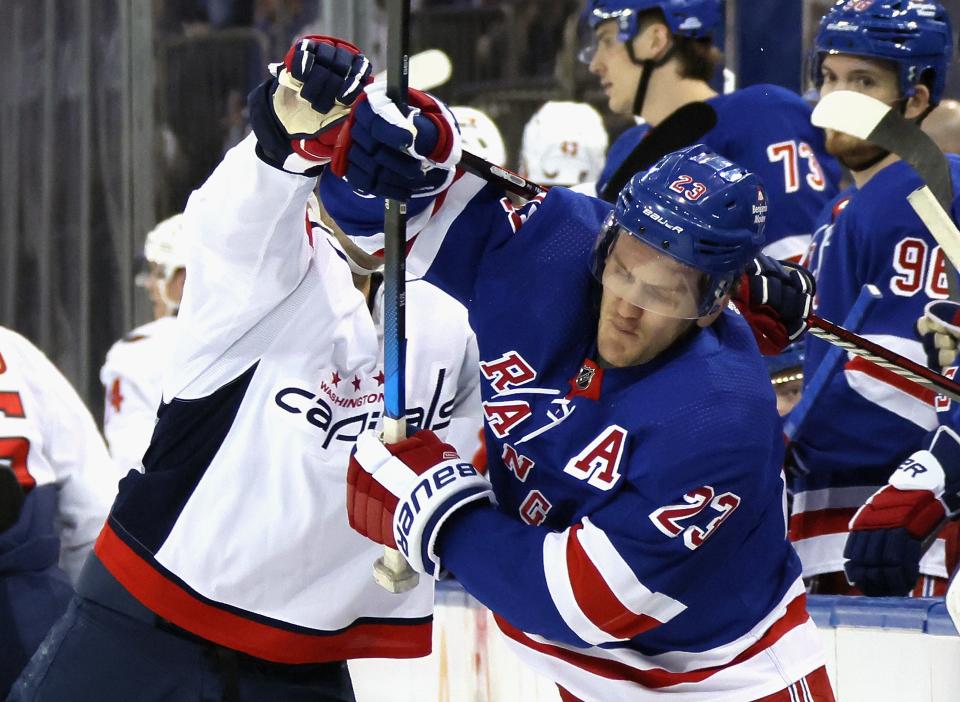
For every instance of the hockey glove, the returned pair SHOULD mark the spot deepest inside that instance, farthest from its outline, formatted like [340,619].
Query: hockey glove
[297,115]
[889,533]
[401,494]
[775,298]
[394,154]
[939,329]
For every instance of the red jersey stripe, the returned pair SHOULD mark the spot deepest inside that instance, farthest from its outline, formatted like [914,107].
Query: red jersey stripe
[174,603]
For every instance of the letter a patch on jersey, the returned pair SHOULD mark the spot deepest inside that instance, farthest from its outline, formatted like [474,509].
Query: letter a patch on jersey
[510,370]
[502,417]
[599,462]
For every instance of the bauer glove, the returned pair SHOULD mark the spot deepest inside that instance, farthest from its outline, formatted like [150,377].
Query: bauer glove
[889,533]
[775,297]
[400,495]
[398,154]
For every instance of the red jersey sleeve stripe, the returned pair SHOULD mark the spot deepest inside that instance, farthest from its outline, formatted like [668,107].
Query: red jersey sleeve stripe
[595,598]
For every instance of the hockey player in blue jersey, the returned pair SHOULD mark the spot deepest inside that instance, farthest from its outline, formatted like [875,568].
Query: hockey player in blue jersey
[896,52]
[891,532]
[632,538]
[654,56]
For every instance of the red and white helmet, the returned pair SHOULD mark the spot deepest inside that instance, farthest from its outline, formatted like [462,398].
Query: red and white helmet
[480,134]
[564,143]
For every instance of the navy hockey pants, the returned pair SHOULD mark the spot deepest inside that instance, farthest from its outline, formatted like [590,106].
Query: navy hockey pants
[119,653]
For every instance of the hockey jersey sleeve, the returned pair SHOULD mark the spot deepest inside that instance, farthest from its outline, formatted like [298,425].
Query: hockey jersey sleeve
[249,251]
[663,552]
[447,236]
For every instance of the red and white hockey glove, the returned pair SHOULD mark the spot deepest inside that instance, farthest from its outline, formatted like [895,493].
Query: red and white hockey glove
[400,155]
[775,297]
[401,494]
[888,534]
[939,329]
[297,115]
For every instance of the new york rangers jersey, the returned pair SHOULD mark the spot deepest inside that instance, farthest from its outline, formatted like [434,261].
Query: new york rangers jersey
[237,529]
[51,443]
[639,548]
[131,377]
[867,420]
[766,129]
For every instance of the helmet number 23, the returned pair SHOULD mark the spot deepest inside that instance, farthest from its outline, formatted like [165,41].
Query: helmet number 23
[695,192]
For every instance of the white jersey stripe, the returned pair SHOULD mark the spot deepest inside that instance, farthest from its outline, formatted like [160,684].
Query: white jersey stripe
[561,590]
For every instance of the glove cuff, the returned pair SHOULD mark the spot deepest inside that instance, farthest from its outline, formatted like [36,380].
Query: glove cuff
[436,494]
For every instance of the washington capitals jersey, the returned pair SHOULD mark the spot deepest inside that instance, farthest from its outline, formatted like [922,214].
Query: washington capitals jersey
[639,544]
[49,440]
[236,530]
[131,376]
[867,420]
[766,129]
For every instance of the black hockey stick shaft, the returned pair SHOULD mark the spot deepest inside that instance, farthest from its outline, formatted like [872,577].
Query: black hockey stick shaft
[501,177]
[392,572]
[884,357]
[683,127]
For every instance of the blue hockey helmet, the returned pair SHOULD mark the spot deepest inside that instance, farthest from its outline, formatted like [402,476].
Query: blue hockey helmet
[916,36]
[786,365]
[688,18]
[700,219]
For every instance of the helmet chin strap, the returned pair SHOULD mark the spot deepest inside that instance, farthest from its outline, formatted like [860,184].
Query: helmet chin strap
[647,67]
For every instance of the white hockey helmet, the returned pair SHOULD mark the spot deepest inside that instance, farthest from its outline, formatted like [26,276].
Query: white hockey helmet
[564,143]
[165,246]
[480,134]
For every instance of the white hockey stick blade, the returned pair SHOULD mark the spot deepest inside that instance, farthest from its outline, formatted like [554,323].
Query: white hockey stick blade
[428,70]
[938,221]
[849,112]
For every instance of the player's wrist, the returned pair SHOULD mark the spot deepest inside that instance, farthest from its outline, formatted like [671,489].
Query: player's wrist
[429,503]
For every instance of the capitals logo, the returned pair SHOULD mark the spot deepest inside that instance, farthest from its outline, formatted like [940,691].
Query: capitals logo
[858,5]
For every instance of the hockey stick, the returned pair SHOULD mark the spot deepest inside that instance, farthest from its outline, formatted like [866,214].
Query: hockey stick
[883,357]
[830,364]
[501,177]
[680,129]
[867,118]
[391,571]
[683,127]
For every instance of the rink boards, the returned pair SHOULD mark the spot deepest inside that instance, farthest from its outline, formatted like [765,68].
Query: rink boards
[882,650]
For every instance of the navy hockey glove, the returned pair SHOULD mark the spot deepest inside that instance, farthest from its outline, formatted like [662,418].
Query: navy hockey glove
[297,115]
[401,494]
[889,533]
[939,329]
[400,155]
[775,297]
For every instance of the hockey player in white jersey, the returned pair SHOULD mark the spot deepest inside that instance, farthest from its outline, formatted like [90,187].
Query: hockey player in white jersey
[564,143]
[57,484]
[227,569]
[133,369]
